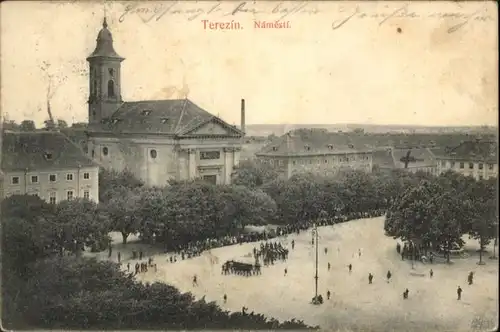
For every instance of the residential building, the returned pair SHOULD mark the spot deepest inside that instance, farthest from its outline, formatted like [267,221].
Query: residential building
[315,151]
[477,158]
[49,165]
[157,140]
[411,158]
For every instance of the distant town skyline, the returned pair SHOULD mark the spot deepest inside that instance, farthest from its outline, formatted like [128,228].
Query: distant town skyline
[402,72]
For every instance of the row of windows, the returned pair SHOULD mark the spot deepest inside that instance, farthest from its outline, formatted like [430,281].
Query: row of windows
[462,165]
[310,161]
[308,148]
[326,161]
[105,151]
[52,178]
[70,194]
[153,154]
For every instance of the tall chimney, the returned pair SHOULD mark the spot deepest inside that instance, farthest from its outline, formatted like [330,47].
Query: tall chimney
[243,116]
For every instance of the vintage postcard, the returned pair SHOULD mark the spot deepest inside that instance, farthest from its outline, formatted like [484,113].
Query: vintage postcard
[249,165]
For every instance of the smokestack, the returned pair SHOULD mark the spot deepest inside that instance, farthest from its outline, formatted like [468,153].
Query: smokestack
[243,116]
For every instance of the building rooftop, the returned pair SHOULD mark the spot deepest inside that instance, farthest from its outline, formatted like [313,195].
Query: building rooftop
[175,117]
[309,142]
[40,151]
[396,157]
[474,150]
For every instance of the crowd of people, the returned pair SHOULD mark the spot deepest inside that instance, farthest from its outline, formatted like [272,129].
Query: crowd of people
[269,252]
[196,248]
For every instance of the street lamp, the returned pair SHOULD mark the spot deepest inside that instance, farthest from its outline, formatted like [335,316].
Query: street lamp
[315,234]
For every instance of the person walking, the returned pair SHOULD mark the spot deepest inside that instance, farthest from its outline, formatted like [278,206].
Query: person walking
[286,271]
[225,298]
[370,278]
[431,273]
[459,293]
[405,294]
[389,275]
[328,295]
[329,266]
[350,268]
[470,278]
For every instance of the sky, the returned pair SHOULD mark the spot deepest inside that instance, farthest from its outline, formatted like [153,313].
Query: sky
[414,63]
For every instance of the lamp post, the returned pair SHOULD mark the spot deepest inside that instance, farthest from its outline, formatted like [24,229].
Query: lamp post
[316,275]
[315,298]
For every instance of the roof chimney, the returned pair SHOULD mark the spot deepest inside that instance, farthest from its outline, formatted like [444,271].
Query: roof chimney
[243,116]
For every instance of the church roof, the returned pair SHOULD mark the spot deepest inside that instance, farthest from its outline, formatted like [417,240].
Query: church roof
[104,47]
[473,150]
[308,142]
[171,117]
[41,150]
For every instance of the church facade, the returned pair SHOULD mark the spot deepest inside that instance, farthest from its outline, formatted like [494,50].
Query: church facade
[158,140]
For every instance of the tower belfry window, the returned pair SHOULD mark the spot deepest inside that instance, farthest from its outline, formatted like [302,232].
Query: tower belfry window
[111,72]
[111,88]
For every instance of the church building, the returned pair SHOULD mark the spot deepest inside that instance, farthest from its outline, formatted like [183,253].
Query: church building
[158,140]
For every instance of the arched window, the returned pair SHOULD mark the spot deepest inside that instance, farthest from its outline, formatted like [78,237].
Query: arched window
[111,88]
[153,154]
[105,151]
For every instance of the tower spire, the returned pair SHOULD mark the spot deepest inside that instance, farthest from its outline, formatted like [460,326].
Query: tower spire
[104,23]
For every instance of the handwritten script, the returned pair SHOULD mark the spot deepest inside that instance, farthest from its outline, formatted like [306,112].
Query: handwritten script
[461,18]
[341,16]
[156,12]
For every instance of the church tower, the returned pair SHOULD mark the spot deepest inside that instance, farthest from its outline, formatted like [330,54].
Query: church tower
[105,77]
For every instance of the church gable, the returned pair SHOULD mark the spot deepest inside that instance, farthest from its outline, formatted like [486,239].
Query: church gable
[214,126]
[211,129]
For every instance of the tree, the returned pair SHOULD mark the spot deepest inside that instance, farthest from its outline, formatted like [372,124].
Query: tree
[82,293]
[10,125]
[248,207]
[26,231]
[450,212]
[48,124]
[79,222]
[484,215]
[252,174]
[79,125]
[124,210]
[27,125]
[411,216]
[111,181]
[61,124]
